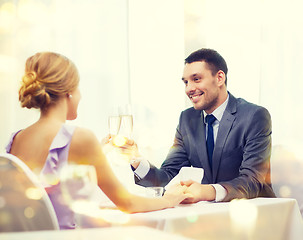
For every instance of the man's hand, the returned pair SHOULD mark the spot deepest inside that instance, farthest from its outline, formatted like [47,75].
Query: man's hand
[199,192]
[130,148]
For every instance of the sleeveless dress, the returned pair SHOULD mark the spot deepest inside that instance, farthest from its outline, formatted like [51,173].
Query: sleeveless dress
[56,160]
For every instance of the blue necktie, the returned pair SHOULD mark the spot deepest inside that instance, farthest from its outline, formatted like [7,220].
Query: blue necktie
[210,137]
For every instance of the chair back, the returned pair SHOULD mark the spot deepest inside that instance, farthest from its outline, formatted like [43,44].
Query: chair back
[24,203]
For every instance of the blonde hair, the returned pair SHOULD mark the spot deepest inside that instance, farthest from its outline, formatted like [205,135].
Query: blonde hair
[48,76]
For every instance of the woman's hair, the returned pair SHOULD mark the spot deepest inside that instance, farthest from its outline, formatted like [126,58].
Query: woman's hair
[48,76]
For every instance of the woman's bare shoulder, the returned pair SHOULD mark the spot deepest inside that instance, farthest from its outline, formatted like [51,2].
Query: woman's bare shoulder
[84,143]
[83,137]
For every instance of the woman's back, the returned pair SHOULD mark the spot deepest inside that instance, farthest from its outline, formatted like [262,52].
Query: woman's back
[48,162]
[32,144]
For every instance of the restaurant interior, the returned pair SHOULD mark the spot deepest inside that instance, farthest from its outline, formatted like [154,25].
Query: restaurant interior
[130,55]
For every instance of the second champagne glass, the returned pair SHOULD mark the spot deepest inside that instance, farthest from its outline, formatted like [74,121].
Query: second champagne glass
[126,126]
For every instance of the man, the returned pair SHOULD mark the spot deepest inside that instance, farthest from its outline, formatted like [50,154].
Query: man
[234,150]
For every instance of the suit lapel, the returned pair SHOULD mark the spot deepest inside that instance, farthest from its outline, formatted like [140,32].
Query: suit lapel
[224,129]
[198,131]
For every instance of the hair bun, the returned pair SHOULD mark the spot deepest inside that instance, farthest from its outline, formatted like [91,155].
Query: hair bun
[32,93]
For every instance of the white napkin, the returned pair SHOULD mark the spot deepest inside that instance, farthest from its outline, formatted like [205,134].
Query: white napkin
[185,174]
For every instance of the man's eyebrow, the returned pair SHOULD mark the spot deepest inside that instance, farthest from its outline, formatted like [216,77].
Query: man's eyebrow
[194,75]
[191,76]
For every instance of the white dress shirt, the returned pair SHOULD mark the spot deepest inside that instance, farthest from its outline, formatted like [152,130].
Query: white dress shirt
[218,113]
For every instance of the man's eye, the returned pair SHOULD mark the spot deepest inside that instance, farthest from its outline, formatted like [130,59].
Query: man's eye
[196,79]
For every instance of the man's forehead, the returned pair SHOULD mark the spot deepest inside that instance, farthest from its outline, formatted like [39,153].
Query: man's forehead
[194,68]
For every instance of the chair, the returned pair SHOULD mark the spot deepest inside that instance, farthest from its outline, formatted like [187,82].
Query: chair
[24,203]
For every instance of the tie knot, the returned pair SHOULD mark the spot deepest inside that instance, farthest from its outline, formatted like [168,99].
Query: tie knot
[210,119]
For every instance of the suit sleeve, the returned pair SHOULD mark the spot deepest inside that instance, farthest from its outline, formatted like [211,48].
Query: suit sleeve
[254,173]
[175,160]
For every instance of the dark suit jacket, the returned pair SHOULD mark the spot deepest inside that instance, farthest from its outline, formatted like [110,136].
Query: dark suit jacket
[241,157]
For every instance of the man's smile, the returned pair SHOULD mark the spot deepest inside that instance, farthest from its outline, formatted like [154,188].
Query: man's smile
[195,97]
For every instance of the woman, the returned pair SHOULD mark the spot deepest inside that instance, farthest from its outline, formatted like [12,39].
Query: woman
[51,84]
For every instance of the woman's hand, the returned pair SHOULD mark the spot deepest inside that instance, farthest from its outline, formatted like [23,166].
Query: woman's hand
[176,194]
[122,145]
[106,140]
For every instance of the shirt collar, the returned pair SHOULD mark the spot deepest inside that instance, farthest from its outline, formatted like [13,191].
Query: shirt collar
[218,112]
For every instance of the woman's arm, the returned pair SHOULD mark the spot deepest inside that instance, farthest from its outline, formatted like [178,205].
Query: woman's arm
[86,149]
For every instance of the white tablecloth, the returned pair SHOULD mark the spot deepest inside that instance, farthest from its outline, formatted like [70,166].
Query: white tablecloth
[261,218]
[113,233]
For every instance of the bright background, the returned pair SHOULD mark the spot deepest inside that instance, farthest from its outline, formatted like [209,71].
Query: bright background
[132,52]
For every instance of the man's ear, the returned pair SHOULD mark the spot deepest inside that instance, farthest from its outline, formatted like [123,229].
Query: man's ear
[221,77]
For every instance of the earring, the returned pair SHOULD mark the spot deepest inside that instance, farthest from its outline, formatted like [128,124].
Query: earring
[70,96]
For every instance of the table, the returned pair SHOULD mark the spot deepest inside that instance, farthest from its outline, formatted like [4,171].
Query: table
[260,218]
[112,233]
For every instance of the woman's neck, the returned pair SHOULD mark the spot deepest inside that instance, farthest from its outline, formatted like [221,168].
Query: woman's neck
[54,113]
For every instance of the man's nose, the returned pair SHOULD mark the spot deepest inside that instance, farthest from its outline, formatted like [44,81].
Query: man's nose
[190,87]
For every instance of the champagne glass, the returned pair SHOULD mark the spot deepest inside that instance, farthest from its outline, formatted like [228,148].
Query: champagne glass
[78,185]
[122,129]
[114,123]
[121,125]
[126,125]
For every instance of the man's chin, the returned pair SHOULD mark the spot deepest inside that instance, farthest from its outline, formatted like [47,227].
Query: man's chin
[198,107]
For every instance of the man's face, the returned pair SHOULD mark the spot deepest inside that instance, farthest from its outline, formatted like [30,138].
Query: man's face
[201,86]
